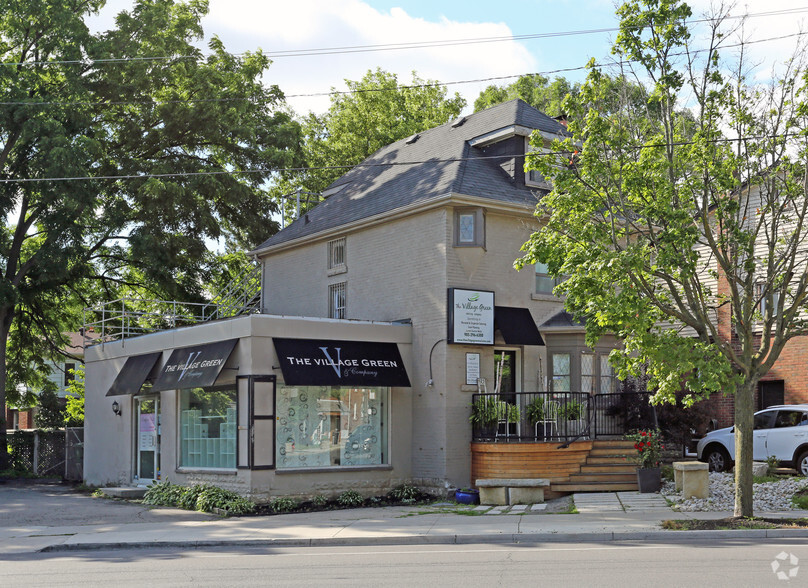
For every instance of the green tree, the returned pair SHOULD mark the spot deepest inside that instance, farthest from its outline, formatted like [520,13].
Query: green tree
[377,111]
[74,405]
[535,89]
[154,148]
[684,236]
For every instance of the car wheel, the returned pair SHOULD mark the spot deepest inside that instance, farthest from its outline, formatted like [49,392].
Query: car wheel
[718,459]
[802,464]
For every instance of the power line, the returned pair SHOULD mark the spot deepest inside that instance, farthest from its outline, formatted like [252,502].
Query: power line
[434,84]
[394,46]
[532,155]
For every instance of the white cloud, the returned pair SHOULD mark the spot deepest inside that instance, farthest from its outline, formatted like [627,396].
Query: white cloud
[307,24]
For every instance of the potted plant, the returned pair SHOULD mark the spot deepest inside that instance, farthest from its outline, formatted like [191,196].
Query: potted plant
[573,411]
[487,412]
[648,444]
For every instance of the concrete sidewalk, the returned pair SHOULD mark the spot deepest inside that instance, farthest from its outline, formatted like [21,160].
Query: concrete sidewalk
[638,519]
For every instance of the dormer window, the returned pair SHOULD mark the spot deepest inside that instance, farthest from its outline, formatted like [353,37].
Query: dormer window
[533,177]
[469,227]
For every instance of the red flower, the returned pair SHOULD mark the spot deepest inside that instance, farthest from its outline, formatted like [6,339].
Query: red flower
[642,433]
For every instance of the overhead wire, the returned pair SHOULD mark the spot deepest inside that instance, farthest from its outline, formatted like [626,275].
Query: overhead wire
[379,165]
[395,46]
[431,84]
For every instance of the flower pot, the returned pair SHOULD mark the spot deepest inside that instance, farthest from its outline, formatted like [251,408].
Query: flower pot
[467,496]
[649,479]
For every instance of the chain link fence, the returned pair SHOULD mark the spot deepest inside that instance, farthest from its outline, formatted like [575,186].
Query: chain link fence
[39,452]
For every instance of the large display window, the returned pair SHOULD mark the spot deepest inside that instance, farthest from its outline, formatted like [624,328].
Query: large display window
[208,428]
[324,426]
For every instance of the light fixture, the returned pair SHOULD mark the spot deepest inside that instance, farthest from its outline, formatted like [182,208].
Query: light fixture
[116,408]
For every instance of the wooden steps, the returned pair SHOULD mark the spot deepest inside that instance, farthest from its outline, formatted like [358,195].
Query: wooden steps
[585,466]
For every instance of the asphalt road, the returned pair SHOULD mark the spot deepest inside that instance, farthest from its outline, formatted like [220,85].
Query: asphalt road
[732,563]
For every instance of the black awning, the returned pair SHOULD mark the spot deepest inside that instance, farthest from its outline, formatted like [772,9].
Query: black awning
[134,374]
[194,367]
[517,326]
[318,362]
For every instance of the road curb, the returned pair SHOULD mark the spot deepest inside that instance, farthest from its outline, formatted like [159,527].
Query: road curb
[602,537]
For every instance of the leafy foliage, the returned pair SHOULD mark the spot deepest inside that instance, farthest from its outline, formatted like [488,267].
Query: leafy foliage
[535,89]
[281,504]
[653,209]
[377,111]
[350,499]
[202,497]
[649,447]
[50,413]
[74,409]
[406,493]
[143,144]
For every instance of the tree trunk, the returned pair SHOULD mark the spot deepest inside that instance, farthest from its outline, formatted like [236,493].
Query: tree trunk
[5,325]
[744,440]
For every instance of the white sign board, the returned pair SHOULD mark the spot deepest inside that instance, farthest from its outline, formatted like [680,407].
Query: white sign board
[472,368]
[471,316]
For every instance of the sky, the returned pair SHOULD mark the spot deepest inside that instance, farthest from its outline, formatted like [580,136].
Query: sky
[291,26]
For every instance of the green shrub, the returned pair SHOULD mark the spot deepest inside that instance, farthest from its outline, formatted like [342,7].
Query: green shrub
[282,504]
[350,498]
[190,495]
[319,501]
[213,497]
[773,464]
[667,473]
[405,493]
[164,494]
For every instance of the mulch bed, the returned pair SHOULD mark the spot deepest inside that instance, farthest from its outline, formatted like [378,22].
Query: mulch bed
[735,523]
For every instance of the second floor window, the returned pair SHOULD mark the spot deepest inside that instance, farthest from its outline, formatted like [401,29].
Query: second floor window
[336,301]
[544,281]
[759,293]
[336,254]
[469,225]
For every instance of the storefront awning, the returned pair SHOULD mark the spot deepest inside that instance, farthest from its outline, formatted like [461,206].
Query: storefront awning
[517,326]
[194,367]
[134,374]
[318,362]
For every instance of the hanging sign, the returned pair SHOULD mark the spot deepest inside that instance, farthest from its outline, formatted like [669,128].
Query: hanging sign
[471,316]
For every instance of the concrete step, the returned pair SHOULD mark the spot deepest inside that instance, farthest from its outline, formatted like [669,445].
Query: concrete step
[131,492]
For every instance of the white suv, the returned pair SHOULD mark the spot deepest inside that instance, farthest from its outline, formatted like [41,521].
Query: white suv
[780,432]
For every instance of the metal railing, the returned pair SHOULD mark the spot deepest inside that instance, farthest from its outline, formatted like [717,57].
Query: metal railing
[130,317]
[558,416]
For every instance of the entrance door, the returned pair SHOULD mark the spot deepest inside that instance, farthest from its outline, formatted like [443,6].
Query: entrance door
[147,442]
[505,363]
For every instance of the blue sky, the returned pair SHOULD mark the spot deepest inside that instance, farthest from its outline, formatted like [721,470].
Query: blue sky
[281,25]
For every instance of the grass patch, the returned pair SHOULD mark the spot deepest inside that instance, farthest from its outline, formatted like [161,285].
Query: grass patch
[800,499]
[732,523]
[12,474]
[769,478]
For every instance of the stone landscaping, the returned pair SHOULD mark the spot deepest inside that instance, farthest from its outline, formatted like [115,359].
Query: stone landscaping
[768,496]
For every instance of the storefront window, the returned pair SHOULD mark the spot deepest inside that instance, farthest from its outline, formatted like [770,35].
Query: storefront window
[323,426]
[208,428]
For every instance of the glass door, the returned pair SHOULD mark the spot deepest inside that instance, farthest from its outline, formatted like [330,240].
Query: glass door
[506,379]
[147,440]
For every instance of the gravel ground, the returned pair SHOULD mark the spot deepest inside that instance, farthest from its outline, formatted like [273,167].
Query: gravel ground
[769,496]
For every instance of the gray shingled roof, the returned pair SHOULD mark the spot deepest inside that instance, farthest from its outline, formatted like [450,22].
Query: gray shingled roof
[450,165]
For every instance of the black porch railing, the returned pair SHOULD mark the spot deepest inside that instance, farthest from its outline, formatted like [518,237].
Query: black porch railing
[558,416]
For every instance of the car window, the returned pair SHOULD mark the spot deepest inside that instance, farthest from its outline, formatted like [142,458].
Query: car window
[765,420]
[788,418]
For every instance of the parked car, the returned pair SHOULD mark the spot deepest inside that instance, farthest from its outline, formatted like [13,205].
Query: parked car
[780,432]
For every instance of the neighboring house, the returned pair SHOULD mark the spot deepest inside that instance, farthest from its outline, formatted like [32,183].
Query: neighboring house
[787,381]
[60,376]
[383,310]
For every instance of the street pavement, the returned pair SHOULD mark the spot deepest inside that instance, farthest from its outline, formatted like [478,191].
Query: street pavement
[43,516]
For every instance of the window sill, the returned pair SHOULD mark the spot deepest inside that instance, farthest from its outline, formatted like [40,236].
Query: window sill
[218,471]
[332,469]
[546,297]
[341,269]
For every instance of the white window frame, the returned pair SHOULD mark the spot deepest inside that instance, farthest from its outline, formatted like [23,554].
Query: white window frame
[337,300]
[759,286]
[337,249]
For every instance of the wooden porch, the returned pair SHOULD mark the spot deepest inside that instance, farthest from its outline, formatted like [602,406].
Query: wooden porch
[585,466]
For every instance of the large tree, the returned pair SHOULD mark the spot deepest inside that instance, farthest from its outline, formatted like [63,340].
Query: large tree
[684,236]
[121,153]
[537,90]
[375,111]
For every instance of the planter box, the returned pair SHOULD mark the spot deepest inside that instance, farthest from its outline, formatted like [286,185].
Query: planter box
[649,479]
